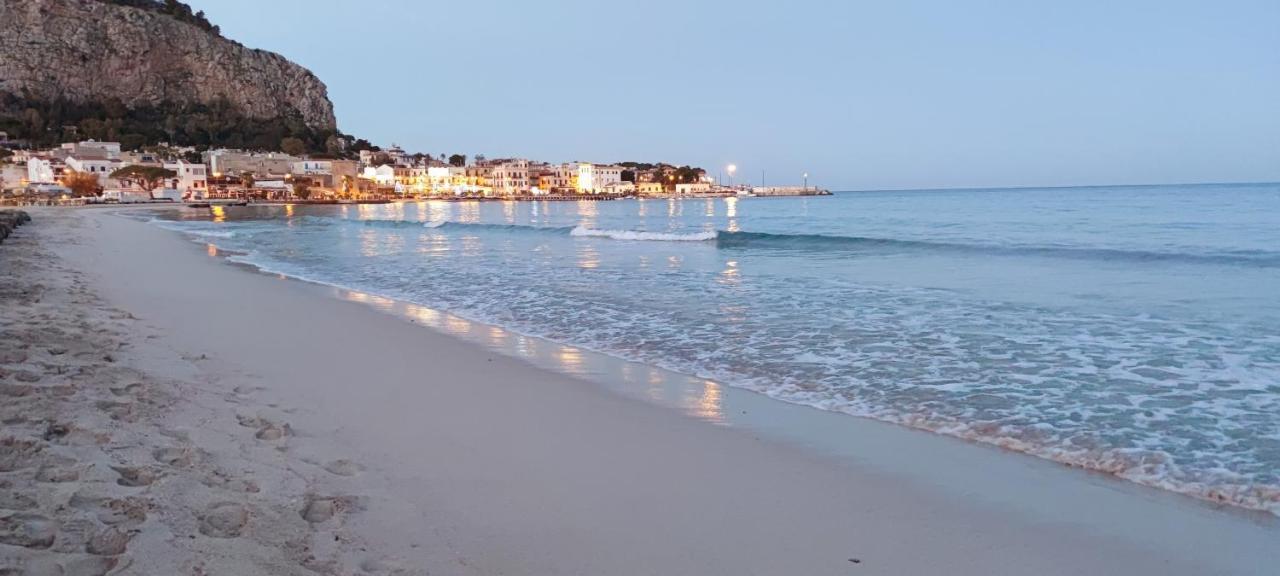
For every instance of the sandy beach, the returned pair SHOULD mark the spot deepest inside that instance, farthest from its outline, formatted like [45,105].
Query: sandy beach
[166,412]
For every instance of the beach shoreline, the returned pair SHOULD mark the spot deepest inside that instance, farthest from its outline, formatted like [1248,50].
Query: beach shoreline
[473,462]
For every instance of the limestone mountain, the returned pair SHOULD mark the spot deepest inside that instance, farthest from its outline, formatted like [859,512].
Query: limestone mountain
[145,70]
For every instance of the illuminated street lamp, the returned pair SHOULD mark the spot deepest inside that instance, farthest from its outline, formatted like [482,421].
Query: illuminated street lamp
[731,168]
[806,180]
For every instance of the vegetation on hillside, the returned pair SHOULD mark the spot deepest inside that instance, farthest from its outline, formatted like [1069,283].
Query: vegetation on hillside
[216,125]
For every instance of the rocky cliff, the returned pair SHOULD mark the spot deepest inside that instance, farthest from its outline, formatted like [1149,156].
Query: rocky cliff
[90,52]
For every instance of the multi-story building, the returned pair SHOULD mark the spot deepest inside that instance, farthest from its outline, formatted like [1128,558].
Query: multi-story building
[596,178]
[94,162]
[236,162]
[139,158]
[44,170]
[312,168]
[509,176]
[190,179]
[109,150]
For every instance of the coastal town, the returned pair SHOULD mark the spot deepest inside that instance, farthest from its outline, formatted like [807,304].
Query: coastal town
[89,171]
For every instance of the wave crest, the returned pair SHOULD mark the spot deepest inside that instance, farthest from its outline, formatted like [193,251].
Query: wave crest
[642,235]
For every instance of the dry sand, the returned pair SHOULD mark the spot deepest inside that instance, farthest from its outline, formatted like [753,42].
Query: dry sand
[166,413]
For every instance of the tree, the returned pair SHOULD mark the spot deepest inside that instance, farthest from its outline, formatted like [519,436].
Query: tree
[148,177]
[382,159]
[81,184]
[628,176]
[302,190]
[293,146]
[458,160]
[246,180]
[130,142]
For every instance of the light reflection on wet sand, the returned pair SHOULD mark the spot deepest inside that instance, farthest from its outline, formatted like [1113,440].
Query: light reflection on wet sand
[699,398]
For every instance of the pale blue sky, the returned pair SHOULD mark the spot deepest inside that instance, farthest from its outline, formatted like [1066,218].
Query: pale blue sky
[863,95]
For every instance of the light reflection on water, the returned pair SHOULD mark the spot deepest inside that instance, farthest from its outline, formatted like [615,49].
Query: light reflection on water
[588,257]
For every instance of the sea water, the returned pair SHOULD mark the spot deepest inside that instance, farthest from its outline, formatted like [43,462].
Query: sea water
[1130,330]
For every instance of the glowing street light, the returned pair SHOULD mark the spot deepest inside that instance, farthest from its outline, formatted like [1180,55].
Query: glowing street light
[731,168]
[806,180]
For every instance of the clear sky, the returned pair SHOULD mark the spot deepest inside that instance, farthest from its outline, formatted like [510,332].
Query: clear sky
[862,95]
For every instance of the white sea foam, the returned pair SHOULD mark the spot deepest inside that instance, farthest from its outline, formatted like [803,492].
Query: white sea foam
[641,235]
[434,223]
[195,229]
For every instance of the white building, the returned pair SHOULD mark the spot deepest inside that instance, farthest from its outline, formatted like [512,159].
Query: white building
[313,168]
[190,179]
[597,178]
[693,188]
[619,188]
[384,175]
[43,170]
[236,162]
[93,163]
[110,150]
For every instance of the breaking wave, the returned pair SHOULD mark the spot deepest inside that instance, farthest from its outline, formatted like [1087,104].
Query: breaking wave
[643,235]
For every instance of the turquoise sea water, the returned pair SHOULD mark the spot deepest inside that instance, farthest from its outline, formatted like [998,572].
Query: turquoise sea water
[1132,330]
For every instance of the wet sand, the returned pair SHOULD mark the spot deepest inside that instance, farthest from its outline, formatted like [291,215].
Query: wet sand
[249,424]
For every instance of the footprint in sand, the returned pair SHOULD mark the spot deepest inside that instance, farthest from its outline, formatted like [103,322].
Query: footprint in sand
[123,512]
[343,467]
[273,431]
[67,565]
[16,454]
[26,376]
[129,390]
[175,457]
[319,509]
[72,435]
[13,500]
[220,479]
[28,530]
[108,542]
[250,421]
[122,411]
[224,520]
[58,472]
[15,390]
[89,566]
[135,476]
[12,356]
